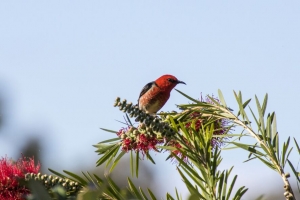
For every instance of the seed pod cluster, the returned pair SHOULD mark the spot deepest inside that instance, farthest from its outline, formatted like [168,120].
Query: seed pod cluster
[50,181]
[150,121]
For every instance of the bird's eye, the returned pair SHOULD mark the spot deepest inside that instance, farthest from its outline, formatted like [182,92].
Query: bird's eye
[171,80]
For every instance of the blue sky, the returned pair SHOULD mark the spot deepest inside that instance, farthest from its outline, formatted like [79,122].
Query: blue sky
[62,63]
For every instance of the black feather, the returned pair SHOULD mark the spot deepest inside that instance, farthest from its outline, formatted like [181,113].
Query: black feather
[146,88]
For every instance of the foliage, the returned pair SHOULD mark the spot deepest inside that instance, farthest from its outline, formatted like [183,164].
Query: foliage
[194,138]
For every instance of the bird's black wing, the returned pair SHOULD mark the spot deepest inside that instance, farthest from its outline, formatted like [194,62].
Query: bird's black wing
[146,88]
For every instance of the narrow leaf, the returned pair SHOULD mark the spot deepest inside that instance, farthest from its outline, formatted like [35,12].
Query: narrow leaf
[134,189]
[151,194]
[190,98]
[117,160]
[221,97]
[107,130]
[137,159]
[264,106]
[75,176]
[143,194]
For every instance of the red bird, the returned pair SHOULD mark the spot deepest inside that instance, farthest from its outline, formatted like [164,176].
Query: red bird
[156,93]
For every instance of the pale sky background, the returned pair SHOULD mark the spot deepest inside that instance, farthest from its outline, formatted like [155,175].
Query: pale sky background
[62,63]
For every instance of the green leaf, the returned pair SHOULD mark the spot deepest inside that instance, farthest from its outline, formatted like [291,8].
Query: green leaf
[75,176]
[266,162]
[107,130]
[294,170]
[297,146]
[169,197]
[274,126]
[143,194]
[261,115]
[264,106]
[103,148]
[190,98]
[220,184]
[190,187]
[284,150]
[106,141]
[241,108]
[88,176]
[115,188]
[276,144]
[151,194]
[240,193]
[137,159]
[149,157]
[107,155]
[57,173]
[244,106]
[116,161]
[256,120]
[99,180]
[248,148]
[113,155]
[231,187]
[167,148]
[131,163]
[221,97]
[134,189]
[177,195]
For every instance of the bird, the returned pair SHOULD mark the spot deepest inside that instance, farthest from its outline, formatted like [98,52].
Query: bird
[155,94]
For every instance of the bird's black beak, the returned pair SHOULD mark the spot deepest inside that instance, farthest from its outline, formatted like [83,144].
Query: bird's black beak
[181,82]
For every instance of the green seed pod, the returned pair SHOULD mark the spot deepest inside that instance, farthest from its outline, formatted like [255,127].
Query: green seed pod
[119,104]
[131,129]
[129,106]
[149,129]
[27,177]
[142,126]
[135,113]
[117,101]
[135,132]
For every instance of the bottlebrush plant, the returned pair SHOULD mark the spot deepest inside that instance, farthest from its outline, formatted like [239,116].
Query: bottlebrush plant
[194,138]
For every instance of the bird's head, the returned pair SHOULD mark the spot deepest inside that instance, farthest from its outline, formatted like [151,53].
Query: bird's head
[167,82]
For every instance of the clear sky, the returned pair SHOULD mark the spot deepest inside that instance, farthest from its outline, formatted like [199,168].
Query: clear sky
[62,63]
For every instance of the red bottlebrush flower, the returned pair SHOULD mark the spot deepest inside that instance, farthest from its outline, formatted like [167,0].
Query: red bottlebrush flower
[177,145]
[138,139]
[10,173]
[220,126]
[198,122]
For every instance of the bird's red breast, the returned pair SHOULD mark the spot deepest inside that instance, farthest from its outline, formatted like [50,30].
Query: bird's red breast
[155,94]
